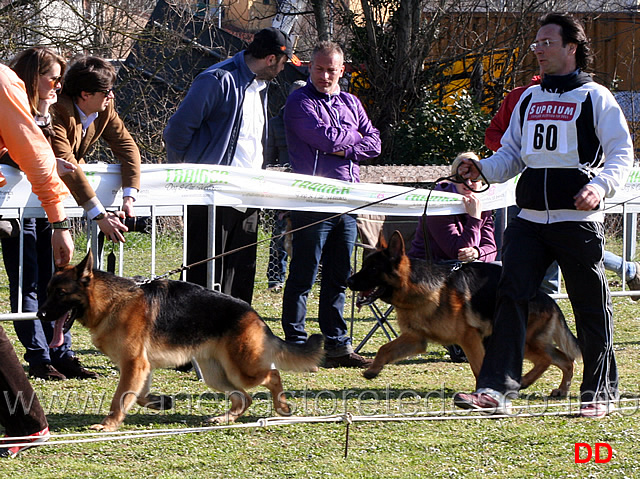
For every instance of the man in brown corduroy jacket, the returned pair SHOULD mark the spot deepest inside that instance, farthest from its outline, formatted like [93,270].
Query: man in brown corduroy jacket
[84,113]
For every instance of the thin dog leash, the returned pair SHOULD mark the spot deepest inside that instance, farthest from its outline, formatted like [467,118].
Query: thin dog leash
[456,178]
[452,178]
[226,253]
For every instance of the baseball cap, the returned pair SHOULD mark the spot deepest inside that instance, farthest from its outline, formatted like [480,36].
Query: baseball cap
[275,41]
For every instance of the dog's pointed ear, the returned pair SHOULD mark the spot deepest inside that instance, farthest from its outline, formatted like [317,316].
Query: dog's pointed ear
[382,242]
[85,267]
[396,245]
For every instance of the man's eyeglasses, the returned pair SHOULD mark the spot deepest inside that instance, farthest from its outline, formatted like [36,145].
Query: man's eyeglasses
[105,92]
[541,44]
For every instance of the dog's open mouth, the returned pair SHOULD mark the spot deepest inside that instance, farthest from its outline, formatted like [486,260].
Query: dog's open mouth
[61,326]
[369,296]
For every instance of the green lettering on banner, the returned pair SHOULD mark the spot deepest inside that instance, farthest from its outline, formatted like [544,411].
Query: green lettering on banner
[321,187]
[226,173]
[434,199]
[177,176]
[92,177]
[191,175]
[634,177]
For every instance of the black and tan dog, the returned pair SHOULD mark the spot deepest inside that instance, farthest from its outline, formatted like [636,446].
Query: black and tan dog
[165,323]
[434,303]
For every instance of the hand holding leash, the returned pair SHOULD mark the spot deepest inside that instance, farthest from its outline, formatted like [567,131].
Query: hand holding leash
[466,255]
[112,226]
[62,244]
[469,169]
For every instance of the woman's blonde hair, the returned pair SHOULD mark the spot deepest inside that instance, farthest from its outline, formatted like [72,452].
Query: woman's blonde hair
[467,155]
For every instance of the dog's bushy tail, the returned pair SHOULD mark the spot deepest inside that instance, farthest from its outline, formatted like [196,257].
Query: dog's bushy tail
[297,357]
[564,338]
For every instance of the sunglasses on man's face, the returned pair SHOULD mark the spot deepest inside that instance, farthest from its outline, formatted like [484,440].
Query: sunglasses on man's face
[105,92]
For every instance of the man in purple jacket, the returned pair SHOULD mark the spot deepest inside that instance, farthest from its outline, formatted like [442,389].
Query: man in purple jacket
[328,134]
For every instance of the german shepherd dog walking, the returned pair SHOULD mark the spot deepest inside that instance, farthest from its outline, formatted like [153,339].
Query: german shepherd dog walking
[165,323]
[434,303]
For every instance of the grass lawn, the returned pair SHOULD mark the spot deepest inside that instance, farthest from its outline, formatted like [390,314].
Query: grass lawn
[442,447]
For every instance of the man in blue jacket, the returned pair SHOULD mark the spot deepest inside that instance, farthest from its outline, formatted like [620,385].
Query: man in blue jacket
[328,134]
[222,121]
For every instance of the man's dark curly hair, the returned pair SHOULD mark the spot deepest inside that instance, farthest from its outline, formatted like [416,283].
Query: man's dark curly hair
[90,74]
[572,32]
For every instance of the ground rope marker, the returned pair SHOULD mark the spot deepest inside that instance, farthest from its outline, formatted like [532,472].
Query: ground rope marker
[568,409]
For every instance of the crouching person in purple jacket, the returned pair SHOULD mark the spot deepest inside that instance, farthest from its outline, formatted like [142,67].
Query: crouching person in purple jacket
[328,134]
[458,238]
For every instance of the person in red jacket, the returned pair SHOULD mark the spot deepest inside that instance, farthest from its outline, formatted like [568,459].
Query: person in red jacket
[500,121]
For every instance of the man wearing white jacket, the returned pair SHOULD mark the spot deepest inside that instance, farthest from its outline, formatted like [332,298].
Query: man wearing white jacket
[570,141]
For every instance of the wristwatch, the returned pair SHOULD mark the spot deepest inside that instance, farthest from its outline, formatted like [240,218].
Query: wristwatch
[61,225]
[100,216]
[43,121]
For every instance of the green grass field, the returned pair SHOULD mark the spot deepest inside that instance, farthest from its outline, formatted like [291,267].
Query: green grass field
[438,446]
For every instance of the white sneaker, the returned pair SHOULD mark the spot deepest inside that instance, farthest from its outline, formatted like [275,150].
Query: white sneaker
[486,400]
[597,409]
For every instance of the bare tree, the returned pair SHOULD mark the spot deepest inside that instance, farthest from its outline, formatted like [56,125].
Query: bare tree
[409,51]
[401,53]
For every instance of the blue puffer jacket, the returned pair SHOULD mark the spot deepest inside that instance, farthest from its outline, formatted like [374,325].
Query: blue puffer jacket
[205,127]
[319,125]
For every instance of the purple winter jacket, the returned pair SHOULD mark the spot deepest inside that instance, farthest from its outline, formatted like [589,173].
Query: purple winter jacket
[448,233]
[318,125]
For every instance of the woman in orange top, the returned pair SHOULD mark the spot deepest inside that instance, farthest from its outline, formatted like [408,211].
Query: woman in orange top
[20,135]
[41,69]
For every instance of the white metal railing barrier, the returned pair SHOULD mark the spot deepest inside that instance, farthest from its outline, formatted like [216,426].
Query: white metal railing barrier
[168,188]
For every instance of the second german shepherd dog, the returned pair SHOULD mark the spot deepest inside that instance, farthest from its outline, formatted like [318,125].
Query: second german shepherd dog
[165,323]
[434,303]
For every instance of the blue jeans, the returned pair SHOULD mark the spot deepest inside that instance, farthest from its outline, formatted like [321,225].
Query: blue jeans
[613,262]
[332,242]
[37,269]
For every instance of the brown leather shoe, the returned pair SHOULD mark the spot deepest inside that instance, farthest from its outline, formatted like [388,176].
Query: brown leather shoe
[352,360]
[634,283]
[46,372]
[72,368]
